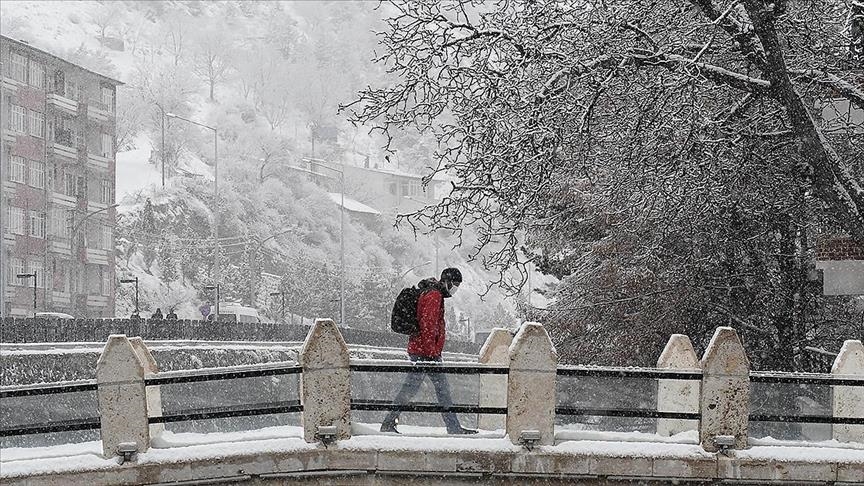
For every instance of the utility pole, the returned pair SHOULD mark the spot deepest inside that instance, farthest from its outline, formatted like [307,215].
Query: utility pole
[135,281]
[3,176]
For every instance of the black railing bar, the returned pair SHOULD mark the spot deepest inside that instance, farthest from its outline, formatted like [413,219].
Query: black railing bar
[48,388]
[423,407]
[213,374]
[292,406]
[633,413]
[455,369]
[807,419]
[806,379]
[64,426]
[620,372]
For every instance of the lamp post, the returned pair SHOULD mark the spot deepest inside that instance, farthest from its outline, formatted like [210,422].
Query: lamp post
[274,294]
[33,276]
[216,269]
[216,288]
[252,268]
[135,281]
[162,153]
[73,242]
[341,230]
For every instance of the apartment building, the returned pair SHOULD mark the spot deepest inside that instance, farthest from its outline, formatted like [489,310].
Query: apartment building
[58,180]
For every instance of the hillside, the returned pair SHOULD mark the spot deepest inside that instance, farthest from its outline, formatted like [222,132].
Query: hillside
[270,76]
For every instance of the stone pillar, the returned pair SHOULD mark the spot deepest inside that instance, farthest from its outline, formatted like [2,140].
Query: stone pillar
[493,388]
[677,395]
[848,401]
[725,399]
[531,384]
[154,394]
[325,385]
[122,396]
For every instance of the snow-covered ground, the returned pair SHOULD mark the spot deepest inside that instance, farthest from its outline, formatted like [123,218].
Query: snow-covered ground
[173,448]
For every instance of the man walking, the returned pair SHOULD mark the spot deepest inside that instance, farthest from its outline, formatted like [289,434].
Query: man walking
[426,347]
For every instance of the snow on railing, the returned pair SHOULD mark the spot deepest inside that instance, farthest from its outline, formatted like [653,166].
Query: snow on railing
[517,377]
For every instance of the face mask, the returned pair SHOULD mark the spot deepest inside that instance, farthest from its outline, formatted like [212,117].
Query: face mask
[452,288]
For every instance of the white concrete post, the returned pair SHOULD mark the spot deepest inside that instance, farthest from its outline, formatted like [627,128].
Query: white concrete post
[677,395]
[531,384]
[725,399]
[848,401]
[325,385]
[122,396]
[493,388]
[154,394]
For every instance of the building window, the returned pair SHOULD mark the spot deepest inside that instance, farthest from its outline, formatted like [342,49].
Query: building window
[37,74]
[107,98]
[106,281]
[107,145]
[69,184]
[105,192]
[415,188]
[393,188]
[15,220]
[37,224]
[71,90]
[37,124]
[37,174]
[16,267]
[61,276]
[64,131]
[60,222]
[39,268]
[19,67]
[404,187]
[107,238]
[18,119]
[17,169]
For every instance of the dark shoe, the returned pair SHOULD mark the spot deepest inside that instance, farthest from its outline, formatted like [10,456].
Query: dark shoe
[389,427]
[462,431]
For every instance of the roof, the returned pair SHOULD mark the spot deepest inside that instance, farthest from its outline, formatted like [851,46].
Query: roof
[352,204]
[27,45]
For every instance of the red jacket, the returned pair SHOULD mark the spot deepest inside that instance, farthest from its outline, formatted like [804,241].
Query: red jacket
[430,312]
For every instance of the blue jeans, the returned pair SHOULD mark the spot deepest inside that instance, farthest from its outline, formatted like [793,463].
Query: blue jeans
[412,384]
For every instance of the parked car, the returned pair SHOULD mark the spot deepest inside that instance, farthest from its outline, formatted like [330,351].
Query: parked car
[236,312]
[52,315]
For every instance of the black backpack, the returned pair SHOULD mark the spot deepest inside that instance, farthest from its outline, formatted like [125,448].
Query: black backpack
[403,319]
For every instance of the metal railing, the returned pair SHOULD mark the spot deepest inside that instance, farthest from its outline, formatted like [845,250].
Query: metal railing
[361,366]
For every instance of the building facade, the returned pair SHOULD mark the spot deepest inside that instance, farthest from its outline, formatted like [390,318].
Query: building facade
[58,182]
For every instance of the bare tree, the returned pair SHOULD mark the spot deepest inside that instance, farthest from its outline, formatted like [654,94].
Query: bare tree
[667,160]
[211,60]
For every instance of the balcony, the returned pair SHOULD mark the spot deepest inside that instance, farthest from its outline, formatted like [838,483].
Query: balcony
[98,111]
[61,199]
[99,257]
[98,161]
[97,301]
[61,247]
[60,297]
[63,103]
[64,150]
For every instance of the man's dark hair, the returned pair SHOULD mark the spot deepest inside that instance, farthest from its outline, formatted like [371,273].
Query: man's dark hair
[451,275]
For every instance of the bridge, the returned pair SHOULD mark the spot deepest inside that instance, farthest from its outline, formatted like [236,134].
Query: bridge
[315,420]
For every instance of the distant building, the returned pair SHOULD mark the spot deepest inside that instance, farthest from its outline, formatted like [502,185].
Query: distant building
[389,191]
[58,181]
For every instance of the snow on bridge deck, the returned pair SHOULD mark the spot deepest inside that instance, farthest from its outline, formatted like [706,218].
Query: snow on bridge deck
[280,453]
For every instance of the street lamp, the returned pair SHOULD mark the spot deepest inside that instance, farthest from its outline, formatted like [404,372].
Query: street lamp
[274,294]
[135,281]
[33,276]
[215,287]
[252,268]
[341,230]
[216,269]
[73,243]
